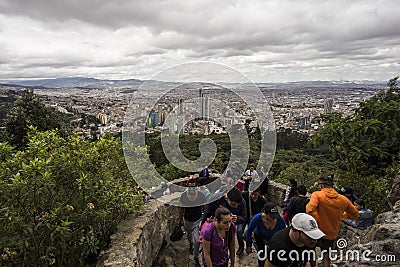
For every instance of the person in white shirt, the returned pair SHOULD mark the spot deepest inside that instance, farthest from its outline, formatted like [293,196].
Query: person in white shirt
[249,175]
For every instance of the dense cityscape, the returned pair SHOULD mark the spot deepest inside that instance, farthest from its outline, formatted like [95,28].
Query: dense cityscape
[196,108]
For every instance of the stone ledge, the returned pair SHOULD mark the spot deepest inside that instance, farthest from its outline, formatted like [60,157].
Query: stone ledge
[138,239]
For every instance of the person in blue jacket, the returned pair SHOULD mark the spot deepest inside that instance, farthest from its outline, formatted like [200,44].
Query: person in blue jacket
[366,216]
[263,226]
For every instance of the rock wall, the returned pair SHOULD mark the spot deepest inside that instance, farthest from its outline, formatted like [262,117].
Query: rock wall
[382,240]
[139,239]
[276,192]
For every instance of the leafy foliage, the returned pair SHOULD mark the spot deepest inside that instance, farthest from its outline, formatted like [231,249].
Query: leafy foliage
[61,198]
[6,101]
[189,146]
[290,139]
[366,145]
[30,111]
[301,166]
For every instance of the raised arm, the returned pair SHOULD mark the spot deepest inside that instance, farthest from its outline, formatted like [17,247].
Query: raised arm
[312,206]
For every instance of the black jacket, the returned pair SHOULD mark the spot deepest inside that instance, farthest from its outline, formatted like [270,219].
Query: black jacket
[240,211]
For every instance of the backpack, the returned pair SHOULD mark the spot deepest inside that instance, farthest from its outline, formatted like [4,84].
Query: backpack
[177,234]
[203,228]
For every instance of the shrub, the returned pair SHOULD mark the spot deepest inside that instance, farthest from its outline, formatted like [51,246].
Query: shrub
[61,198]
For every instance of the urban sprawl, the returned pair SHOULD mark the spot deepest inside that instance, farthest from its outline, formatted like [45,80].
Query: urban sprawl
[196,108]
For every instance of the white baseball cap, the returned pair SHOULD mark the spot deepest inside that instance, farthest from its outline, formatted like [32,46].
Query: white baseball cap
[308,225]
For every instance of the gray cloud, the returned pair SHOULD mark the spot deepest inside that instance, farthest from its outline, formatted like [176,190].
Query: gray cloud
[103,38]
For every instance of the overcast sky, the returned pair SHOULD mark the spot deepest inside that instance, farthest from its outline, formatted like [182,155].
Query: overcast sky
[267,40]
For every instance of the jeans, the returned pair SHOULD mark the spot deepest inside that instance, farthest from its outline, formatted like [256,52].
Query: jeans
[239,234]
[193,233]
[262,246]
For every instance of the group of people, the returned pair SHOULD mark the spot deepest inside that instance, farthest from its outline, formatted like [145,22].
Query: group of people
[310,222]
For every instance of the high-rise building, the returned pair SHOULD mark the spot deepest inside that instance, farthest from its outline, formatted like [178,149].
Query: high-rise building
[103,118]
[163,116]
[153,119]
[180,106]
[201,104]
[155,122]
[328,104]
[205,108]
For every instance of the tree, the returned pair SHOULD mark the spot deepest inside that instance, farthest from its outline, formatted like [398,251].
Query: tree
[366,144]
[30,111]
[368,141]
[289,139]
[61,198]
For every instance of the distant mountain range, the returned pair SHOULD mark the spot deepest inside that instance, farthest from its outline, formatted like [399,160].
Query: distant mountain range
[74,82]
[92,83]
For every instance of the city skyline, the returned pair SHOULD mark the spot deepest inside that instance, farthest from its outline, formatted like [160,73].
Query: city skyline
[268,41]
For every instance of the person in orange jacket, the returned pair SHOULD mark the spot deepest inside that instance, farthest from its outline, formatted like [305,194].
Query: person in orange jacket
[328,207]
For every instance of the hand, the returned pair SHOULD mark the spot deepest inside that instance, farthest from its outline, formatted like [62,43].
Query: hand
[234,218]
[248,250]
[210,219]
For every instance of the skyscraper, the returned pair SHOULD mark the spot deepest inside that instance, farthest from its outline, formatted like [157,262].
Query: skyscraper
[206,107]
[180,106]
[328,104]
[201,103]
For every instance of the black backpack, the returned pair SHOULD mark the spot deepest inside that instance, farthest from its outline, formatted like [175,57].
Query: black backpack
[177,234]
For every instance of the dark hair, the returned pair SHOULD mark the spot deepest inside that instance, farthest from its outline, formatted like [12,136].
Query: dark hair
[293,182]
[220,212]
[192,181]
[346,190]
[360,202]
[255,190]
[302,190]
[325,180]
[268,206]
[235,195]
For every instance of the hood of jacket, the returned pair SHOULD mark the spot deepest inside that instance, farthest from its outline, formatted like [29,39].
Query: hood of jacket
[330,192]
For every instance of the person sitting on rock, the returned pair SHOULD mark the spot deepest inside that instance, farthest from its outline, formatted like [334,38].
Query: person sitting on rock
[366,216]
